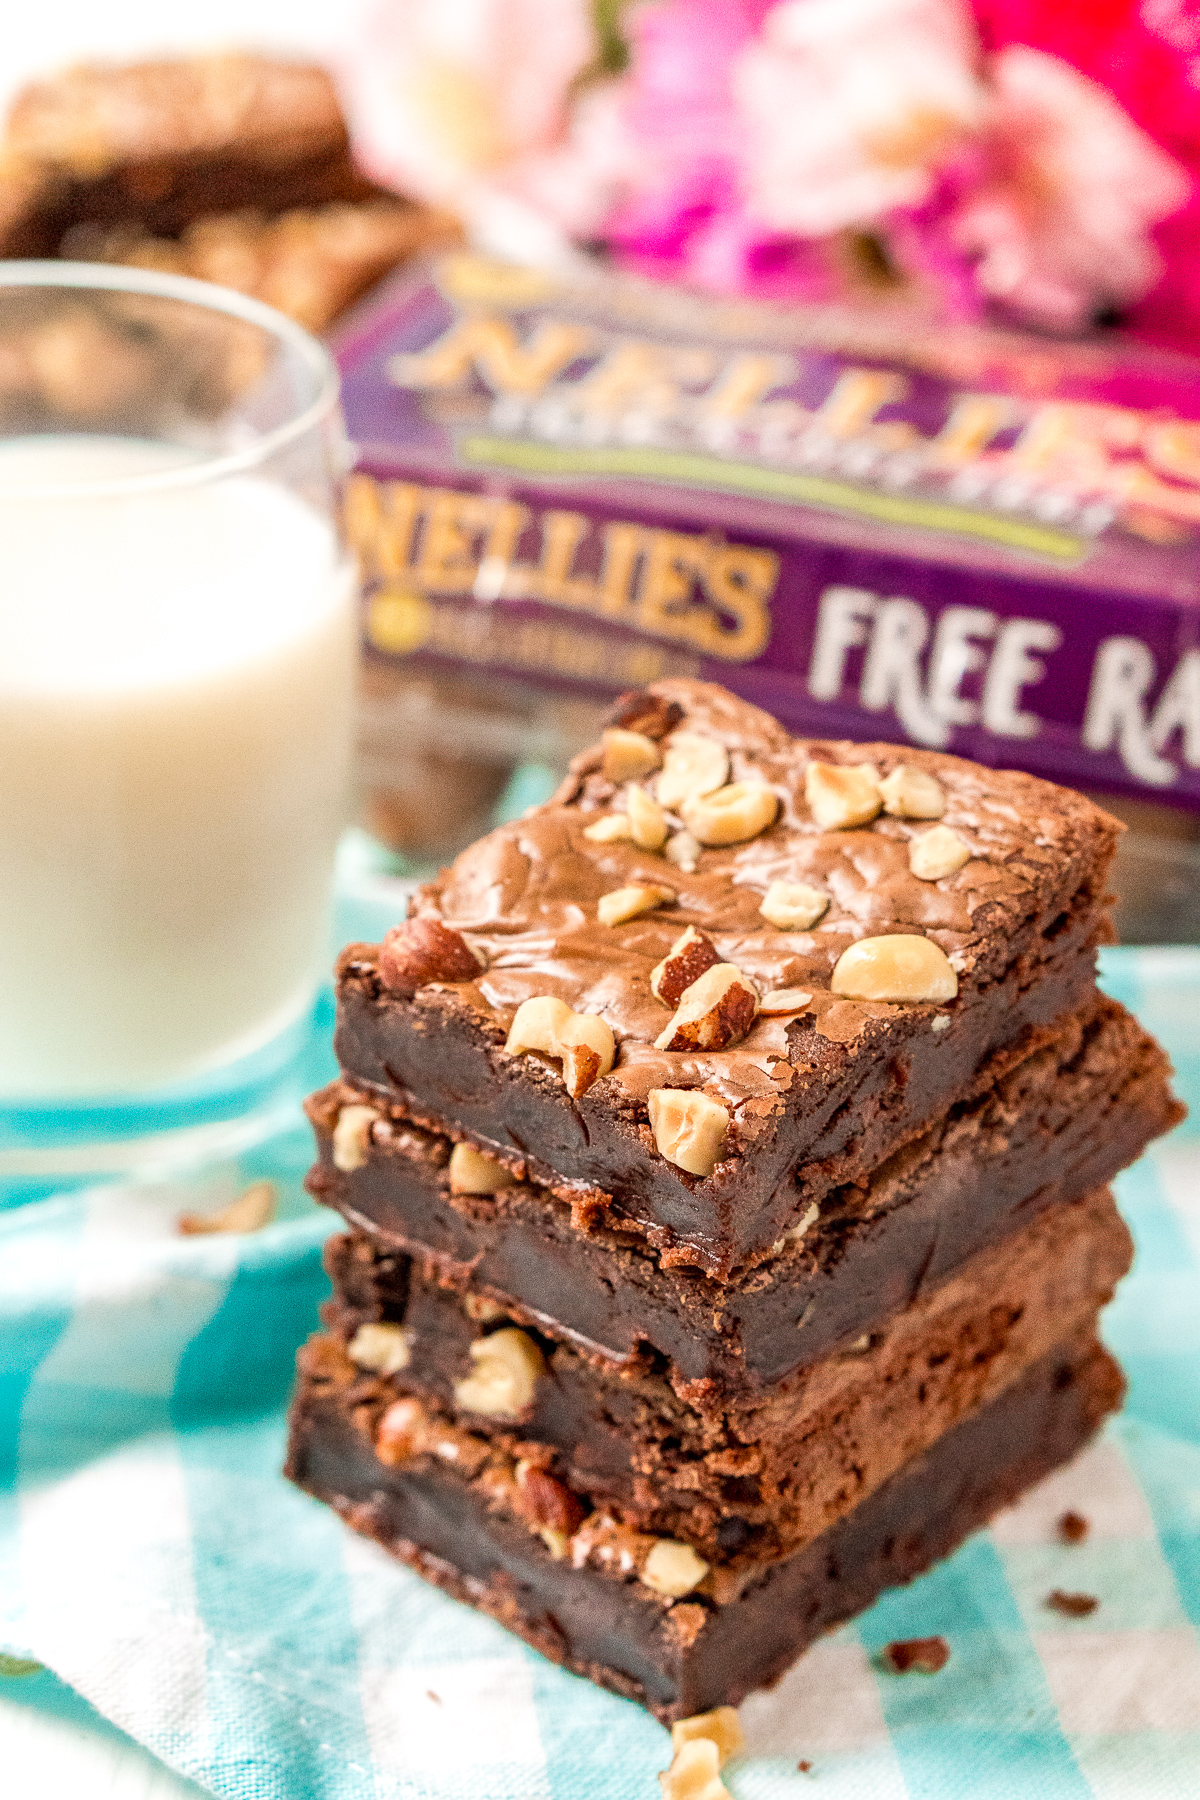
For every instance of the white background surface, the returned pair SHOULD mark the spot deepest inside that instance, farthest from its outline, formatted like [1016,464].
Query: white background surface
[43,1754]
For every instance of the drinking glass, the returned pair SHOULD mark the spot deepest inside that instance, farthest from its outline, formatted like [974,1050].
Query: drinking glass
[177,657]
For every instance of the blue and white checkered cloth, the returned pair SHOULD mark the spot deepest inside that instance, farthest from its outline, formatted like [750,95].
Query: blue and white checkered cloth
[154,1559]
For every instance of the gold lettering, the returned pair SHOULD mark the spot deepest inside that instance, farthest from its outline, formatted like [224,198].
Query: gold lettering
[1174,449]
[449,560]
[973,423]
[380,518]
[490,346]
[857,395]
[743,382]
[641,377]
[562,533]
[673,565]
[623,545]
[1068,439]
[741,581]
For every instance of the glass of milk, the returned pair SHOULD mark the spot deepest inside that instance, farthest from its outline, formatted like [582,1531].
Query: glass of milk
[177,661]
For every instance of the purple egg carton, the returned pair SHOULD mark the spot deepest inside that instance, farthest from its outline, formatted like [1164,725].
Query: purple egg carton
[868,522]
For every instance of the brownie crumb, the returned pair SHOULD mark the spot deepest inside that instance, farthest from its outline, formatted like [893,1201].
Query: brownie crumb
[1073,1606]
[430,1695]
[803,1766]
[1073,1528]
[927,1655]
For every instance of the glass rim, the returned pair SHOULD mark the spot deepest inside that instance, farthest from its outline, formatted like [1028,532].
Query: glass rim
[206,294]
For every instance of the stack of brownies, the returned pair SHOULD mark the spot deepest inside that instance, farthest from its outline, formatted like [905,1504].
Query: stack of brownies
[724,1151]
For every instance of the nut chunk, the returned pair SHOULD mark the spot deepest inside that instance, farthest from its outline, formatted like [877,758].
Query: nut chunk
[471,1172]
[352,1137]
[508,1365]
[733,814]
[689,1128]
[912,793]
[692,766]
[382,1348]
[647,825]
[688,958]
[839,796]
[694,1773]
[672,1568]
[716,1011]
[722,1726]
[582,1041]
[901,967]
[627,755]
[628,903]
[423,950]
[793,905]
[936,853]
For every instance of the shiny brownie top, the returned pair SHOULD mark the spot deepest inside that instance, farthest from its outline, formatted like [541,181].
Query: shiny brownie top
[836,828]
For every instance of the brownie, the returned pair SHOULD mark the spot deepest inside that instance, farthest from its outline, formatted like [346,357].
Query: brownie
[819,1095]
[760,1480]
[1059,1122]
[587,1606]
[311,262]
[160,144]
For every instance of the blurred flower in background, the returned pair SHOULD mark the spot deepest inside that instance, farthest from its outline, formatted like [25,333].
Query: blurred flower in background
[1021,157]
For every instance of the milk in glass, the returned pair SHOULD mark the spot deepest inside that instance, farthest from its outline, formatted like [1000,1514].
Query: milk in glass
[176,667]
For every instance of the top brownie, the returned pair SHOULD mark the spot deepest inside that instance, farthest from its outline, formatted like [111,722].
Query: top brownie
[863,926]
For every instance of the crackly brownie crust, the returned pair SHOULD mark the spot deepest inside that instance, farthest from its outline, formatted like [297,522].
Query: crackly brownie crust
[762,1480]
[1062,1121]
[840,1085]
[681,1657]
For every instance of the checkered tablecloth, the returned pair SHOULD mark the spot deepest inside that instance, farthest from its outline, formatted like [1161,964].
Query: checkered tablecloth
[151,1555]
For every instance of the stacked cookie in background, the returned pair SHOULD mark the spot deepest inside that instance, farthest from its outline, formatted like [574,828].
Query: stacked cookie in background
[724,1152]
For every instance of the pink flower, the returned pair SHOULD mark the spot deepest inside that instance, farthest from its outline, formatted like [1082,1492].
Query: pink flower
[849,106]
[443,95]
[1059,225]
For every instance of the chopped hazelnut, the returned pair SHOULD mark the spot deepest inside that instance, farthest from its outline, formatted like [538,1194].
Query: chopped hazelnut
[926,1655]
[352,1137]
[717,1010]
[627,755]
[251,1210]
[1071,1606]
[424,950]
[471,1172]
[733,814]
[689,1128]
[785,1000]
[672,1568]
[482,1309]
[507,1367]
[547,1503]
[912,793]
[687,959]
[400,1432]
[793,905]
[382,1348]
[613,828]
[721,1726]
[640,710]
[936,853]
[692,766]
[583,1041]
[694,1773]
[631,902]
[646,821]
[684,851]
[840,796]
[901,967]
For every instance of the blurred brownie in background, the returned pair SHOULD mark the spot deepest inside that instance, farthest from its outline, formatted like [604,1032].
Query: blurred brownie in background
[234,168]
